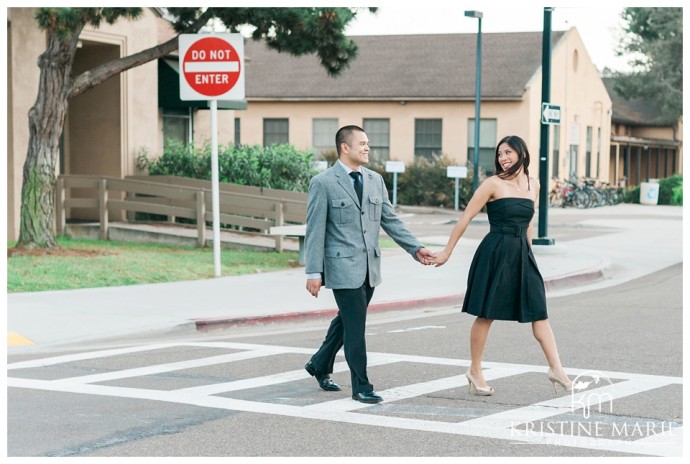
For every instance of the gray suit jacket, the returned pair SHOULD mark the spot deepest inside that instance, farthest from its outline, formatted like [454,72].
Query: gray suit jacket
[342,239]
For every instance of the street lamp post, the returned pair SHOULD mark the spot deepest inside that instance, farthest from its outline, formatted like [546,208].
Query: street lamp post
[477,97]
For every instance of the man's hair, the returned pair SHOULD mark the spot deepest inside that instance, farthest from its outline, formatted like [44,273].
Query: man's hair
[344,135]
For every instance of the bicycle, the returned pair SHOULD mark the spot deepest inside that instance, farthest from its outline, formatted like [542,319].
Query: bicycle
[556,194]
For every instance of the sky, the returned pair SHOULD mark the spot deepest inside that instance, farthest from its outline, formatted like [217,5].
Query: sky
[600,26]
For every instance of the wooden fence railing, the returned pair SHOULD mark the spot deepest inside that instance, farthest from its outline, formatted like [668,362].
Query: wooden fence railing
[177,197]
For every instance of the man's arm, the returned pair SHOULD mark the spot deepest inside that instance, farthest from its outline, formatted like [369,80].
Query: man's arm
[315,237]
[395,228]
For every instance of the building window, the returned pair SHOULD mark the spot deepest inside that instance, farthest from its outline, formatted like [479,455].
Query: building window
[275,131]
[555,154]
[598,151]
[238,141]
[487,145]
[588,156]
[427,137]
[379,134]
[323,135]
[177,126]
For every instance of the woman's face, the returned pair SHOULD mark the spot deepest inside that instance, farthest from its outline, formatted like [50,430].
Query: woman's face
[507,156]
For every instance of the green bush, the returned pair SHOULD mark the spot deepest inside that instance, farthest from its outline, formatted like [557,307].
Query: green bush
[632,195]
[677,196]
[666,189]
[425,183]
[277,166]
[178,160]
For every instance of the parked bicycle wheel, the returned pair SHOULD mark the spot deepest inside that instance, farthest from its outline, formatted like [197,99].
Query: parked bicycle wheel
[581,199]
[596,197]
[617,195]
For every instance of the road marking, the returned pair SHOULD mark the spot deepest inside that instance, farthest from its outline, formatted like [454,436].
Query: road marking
[411,329]
[16,339]
[516,425]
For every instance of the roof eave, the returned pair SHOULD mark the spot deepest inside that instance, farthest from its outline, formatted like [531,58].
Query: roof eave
[380,99]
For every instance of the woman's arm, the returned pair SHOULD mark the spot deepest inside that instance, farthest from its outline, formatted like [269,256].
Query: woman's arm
[530,229]
[483,194]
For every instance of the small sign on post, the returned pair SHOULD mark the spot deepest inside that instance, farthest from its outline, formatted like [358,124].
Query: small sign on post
[550,114]
[395,167]
[457,173]
[212,68]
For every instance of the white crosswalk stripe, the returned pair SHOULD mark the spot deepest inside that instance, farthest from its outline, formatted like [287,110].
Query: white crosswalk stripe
[538,423]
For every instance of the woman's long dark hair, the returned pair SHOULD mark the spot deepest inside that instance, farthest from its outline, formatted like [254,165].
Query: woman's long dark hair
[519,145]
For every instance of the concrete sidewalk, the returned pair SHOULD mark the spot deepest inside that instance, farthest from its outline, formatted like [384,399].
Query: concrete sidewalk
[594,248]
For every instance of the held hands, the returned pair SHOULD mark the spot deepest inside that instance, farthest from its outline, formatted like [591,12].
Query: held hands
[430,258]
[425,256]
[440,258]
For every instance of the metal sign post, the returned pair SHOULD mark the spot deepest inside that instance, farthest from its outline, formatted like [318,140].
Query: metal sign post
[457,172]
[395,167]
[548,114]
[212,68]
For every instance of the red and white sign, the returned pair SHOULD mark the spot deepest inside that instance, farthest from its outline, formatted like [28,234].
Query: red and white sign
[211,67]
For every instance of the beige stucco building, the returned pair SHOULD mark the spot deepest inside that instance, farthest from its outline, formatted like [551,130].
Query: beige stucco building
[106,126]
[414,95]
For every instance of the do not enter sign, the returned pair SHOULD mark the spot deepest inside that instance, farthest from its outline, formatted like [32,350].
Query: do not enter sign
[211,67]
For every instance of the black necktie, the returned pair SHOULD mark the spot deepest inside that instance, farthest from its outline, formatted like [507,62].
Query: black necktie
[357,176]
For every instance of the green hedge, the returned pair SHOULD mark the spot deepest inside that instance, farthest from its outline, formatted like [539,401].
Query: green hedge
[424,182]
[667,187]
[277,166]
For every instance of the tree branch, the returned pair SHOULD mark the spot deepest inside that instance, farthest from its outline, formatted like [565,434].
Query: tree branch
[105,71]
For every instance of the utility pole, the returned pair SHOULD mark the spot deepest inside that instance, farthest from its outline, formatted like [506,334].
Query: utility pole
[542,232]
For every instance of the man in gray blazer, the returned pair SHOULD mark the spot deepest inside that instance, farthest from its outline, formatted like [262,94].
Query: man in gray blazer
[347,206]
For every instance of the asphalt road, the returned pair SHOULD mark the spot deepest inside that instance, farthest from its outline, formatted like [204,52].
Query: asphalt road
[243,392]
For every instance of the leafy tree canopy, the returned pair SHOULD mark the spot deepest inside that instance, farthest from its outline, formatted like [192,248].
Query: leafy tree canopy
[289,30]
[654,40]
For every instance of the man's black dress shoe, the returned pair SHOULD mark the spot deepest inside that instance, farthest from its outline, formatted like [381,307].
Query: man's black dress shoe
[324,381]
[367,397]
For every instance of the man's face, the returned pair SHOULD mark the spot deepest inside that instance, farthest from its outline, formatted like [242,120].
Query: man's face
[356,153]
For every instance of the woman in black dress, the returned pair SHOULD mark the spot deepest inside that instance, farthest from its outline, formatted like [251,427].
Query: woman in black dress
[504,282]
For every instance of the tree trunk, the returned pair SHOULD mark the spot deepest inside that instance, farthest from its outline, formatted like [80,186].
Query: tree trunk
[46,121]
[47,117]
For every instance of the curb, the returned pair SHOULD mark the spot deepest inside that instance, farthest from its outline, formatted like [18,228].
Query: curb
[205,325]
[586,276]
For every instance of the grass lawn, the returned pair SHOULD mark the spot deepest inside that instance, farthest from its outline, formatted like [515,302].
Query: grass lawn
[83,263]
[94,263]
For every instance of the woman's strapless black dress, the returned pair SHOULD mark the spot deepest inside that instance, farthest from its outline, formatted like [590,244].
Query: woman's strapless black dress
[504,282]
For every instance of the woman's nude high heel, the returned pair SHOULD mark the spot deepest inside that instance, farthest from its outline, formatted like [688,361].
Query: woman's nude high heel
[480,391]
[568,387]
